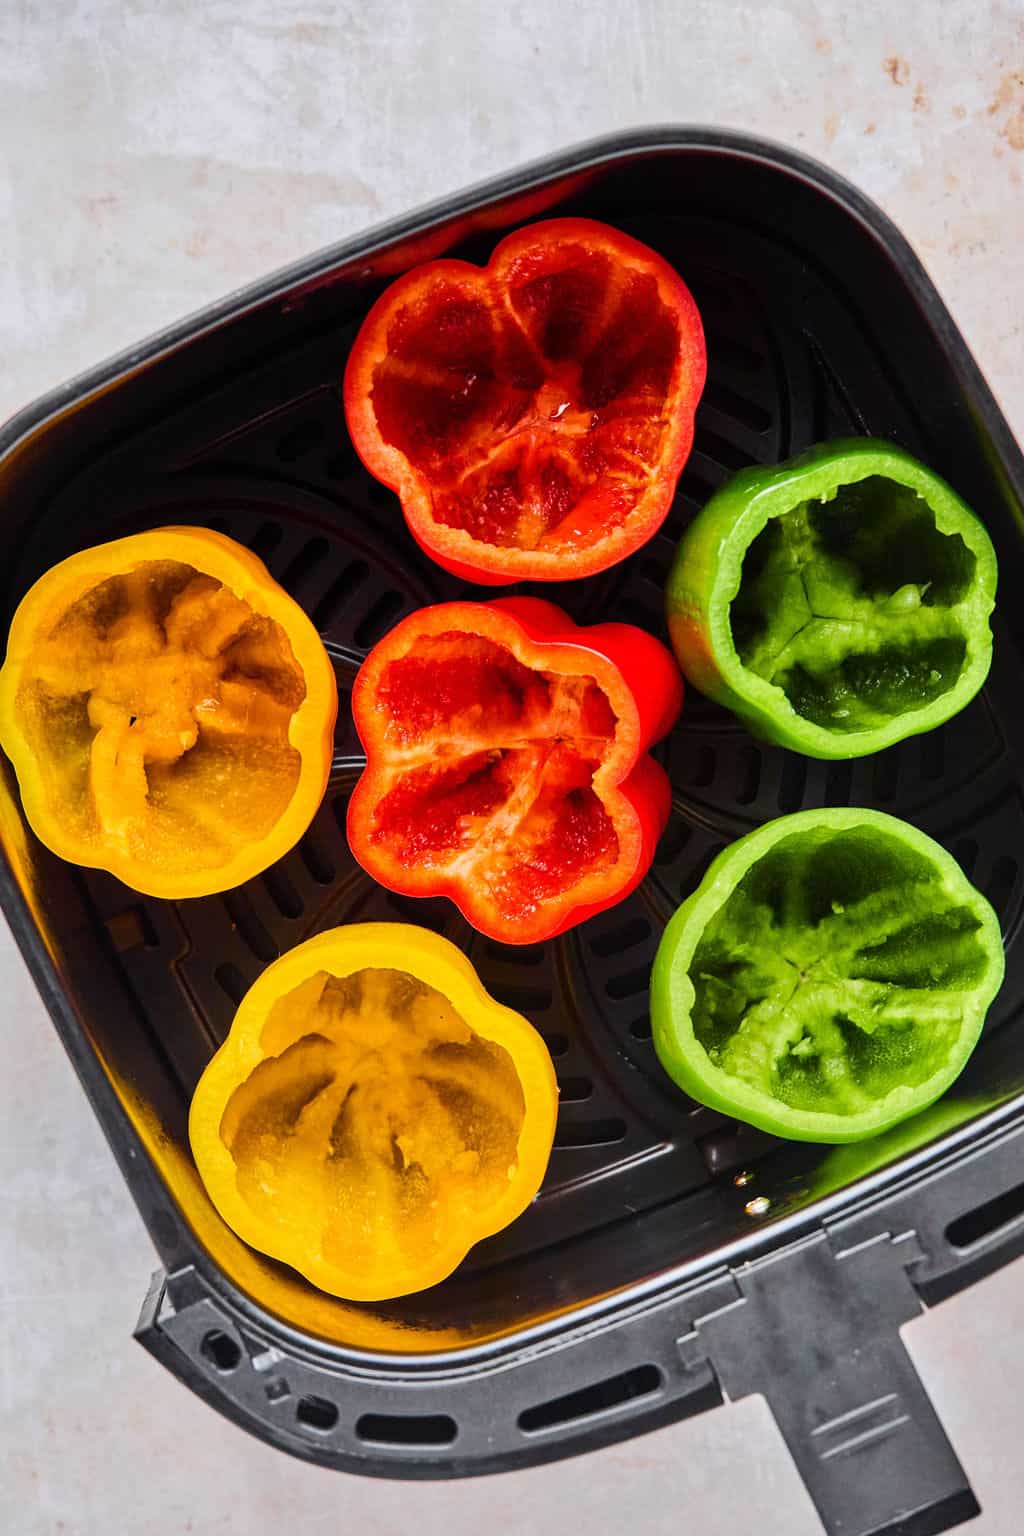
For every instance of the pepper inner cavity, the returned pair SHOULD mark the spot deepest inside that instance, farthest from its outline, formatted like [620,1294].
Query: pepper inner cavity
[835,972]
[538,423]
[379,1123]
[851,605]
[492,768]
[160,702]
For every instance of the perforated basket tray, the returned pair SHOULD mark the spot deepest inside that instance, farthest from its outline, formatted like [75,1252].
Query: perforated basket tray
[672,1254]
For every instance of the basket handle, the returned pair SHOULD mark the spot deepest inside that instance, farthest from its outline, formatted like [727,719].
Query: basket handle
[818,1334]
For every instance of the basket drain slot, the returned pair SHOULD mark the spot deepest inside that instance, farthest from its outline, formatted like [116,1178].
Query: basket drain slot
[640,1381]
[231,981]
[266,539]
[318,865]
[523,999]
[316,1413]
[282,893]
[132,929]
[407,1428]
[341,589]
[379,619]
[250,930]
[626,936]
[629,985]
[1000,884]
[968,1230]
[304,564]
[574,1090]
[590,1133]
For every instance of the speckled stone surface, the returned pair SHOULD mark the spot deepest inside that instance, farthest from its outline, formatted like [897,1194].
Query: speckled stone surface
[154,156]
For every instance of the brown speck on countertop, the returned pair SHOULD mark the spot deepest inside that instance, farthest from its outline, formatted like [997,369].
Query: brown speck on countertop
[959,112]
[1009,99]
[831,126]
[870,127]
[921,102]
[897,69]
[823,45]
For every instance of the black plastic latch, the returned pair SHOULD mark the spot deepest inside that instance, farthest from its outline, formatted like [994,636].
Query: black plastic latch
[815,1329]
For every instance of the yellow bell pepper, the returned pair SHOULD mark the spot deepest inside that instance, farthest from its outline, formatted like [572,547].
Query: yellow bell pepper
[169,711]
[373,1112]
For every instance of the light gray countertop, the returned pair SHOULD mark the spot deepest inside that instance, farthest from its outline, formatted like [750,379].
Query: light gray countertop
[156,156]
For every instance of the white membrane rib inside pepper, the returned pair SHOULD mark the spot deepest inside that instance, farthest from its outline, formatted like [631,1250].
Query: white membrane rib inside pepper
[837,970]
[855,606]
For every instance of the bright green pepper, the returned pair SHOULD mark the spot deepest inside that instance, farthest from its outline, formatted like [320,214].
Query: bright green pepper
[829,976]
[838,602]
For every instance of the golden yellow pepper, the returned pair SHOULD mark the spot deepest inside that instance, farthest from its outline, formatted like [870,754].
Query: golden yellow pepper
[169,711]
[373,1112]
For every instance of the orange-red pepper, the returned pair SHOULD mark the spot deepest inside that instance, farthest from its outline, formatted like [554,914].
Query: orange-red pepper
[507,762]
[534,415]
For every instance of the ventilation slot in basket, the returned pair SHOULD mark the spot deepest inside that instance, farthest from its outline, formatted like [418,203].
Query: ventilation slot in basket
[304,564]
[132,929]
[265,540]
[316,1413]
[250,930]
[590,1133]
[749,762]
[631,984]
[523,999]
[231,981]
[1000,884]
[341,589]
[677,835]
[318,865]
[379,619]
[963,1233]
[282,893]
[641,1381]
[574,1090]
[792,784]
[407,1428]
[626,936]
[557,1044]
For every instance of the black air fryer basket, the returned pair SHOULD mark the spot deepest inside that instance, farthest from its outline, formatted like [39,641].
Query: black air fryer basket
[673,1257]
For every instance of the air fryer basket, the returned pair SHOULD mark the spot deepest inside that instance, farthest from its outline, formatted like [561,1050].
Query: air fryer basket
[673,1257]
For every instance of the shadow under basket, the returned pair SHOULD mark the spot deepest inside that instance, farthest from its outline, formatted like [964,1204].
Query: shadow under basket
[673,1257]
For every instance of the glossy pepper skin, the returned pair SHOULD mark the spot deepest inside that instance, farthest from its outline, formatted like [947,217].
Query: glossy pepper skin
[373,1112]
[533,415]
[169,711]
[828,978]
[506,762]
[837,603]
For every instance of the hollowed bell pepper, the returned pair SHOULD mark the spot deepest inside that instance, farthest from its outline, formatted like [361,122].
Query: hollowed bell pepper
[534,415]
[506,762]
[169,711]
[837,603]
[373,1112]
[829,976]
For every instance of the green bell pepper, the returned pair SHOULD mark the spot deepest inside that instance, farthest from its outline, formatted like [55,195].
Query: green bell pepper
[838,602]
[829,976]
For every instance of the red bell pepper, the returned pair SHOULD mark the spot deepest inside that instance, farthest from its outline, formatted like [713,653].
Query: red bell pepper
[506,762]
[532,415]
